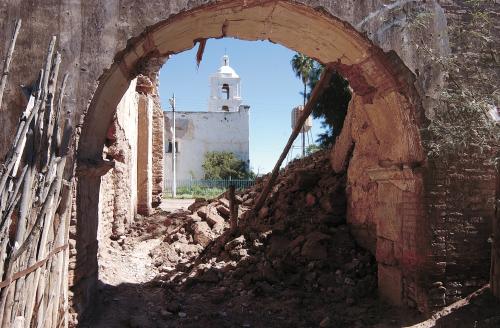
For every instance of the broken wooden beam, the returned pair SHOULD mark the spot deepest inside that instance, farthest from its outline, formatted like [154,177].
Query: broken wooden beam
[201,50]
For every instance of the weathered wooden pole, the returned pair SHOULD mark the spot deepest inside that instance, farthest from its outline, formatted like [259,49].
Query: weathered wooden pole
[8,59]
[34,188]
[233,208]
[316,93]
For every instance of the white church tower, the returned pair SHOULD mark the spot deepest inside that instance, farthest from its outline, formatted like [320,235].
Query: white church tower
[225,92]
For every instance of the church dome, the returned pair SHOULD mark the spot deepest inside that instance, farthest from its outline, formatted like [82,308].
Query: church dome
[225,70]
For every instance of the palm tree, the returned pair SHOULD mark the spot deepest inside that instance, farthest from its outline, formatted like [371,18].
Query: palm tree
[303,66]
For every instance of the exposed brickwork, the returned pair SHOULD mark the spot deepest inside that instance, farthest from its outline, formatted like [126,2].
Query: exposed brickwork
[158,153]
[460,198]
[460,185]
[144,154]
[116,202]
[495,261]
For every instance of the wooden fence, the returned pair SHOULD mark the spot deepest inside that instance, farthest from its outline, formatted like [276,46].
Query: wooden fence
[35,201]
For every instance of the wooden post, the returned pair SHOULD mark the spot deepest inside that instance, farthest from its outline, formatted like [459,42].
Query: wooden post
[8,59]
[316,93]
[34,269]
[233,208]
[18,322]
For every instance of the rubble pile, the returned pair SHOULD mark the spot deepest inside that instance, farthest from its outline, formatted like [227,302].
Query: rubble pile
[296,256]
[292,264]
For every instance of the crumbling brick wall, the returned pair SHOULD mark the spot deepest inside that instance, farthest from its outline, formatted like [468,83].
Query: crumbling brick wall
[147,86]
[495,256]
[460,176]
[158,153]
[385,197]
[118,204]
[460,201]
[144,155]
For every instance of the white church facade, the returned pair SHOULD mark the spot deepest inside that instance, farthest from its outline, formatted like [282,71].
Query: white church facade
[224,127]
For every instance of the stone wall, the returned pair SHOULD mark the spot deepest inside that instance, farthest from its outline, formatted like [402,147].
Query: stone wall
[385,193]
[460,197]
[460,174]
[118,193]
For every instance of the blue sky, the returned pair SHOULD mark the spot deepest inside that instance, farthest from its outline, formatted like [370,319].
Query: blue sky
[268,86]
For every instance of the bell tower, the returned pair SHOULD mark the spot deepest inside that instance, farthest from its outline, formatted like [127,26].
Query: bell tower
[225,91]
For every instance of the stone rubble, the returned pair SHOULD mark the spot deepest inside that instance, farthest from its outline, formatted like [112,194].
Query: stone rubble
[294,265]
[294,252]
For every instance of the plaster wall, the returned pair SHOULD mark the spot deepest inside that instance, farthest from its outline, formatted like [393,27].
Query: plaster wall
[200,132]
[217,99]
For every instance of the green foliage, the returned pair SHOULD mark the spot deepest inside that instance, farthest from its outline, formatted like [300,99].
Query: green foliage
[302,66]
[196,192]
[224,165]
[311,149]
[332,106]
[461,123]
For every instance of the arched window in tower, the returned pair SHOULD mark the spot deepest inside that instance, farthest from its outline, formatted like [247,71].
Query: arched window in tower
[225,108]
[225,90]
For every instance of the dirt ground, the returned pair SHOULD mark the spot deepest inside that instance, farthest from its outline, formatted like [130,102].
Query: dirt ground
[173,205]
[134,294]
[131,296]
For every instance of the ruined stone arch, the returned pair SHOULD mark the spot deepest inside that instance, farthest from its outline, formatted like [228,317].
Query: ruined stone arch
[433,244]
[381,140]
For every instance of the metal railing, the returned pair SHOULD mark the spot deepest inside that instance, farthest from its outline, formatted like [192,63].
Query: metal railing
[191,184]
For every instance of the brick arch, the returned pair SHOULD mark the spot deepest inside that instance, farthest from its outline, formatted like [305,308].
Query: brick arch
[382,139]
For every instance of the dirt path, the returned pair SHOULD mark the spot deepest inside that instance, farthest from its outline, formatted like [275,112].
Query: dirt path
[130,265]
[175,205]
[125,268]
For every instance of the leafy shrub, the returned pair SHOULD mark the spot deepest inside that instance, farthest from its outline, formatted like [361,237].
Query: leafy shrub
[224,165]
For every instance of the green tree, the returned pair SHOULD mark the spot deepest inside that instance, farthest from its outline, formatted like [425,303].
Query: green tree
[332,106]
[312,148]
[224,165]
[303,66]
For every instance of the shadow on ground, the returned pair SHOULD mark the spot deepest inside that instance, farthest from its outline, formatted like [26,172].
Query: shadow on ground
[247,293]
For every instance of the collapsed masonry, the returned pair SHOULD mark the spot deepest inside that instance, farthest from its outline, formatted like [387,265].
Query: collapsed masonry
[298,253]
